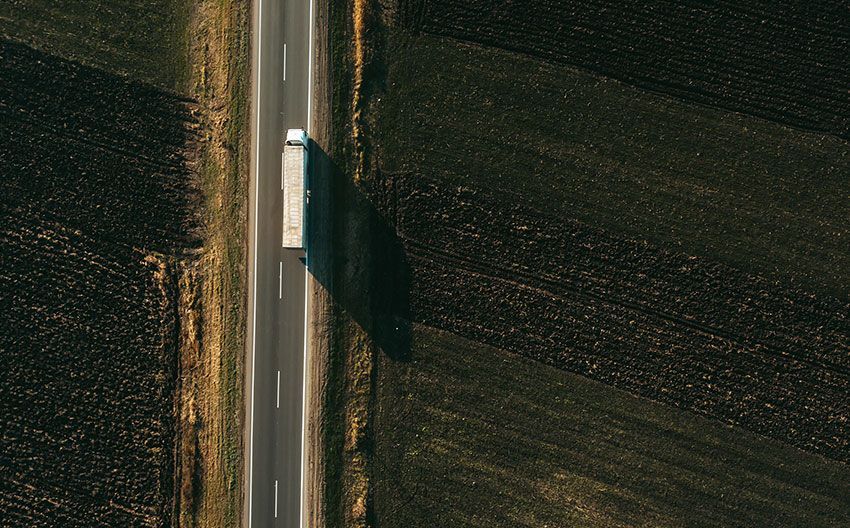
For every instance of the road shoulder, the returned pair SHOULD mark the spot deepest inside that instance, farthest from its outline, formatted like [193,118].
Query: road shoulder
[320,306]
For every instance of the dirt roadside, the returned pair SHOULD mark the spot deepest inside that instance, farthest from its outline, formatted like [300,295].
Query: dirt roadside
[364,274]
[319,330]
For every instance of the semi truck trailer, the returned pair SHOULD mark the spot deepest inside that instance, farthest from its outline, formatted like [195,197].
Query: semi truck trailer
[294,167]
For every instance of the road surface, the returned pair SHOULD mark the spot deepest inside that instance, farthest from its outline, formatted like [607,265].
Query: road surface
[277,299]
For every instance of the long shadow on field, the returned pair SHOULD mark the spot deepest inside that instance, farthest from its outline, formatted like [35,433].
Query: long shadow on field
[354,252]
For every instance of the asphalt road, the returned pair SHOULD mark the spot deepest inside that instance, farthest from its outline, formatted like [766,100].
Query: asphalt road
[277,312]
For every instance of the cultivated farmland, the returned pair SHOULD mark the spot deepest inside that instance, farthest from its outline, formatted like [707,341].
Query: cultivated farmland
[783,62]
[576,249]
[652,198]
[152,44]
[758,196]
[125,170]
[100,204]
[472,436]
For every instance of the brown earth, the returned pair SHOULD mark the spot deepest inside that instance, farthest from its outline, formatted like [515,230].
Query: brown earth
[160,160]
[672,327]
[476,436]
[320,330]
[625,241]
[782,62]
[101,209]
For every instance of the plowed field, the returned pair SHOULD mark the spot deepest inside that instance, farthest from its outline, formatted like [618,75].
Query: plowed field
[784,62]
[98,207]
[676,328]
[651,197]
[747,192]
[673,261]
[143,39]
[474,436]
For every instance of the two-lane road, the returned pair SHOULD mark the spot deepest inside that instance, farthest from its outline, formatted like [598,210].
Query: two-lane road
[277,298]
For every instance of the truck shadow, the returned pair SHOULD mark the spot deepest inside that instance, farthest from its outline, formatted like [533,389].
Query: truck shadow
[355,254]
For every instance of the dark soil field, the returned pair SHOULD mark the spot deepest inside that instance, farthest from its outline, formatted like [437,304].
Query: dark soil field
[472,436]
[652,198]
[508,256]
[152,44]
[672,327]
[99,206]
[758,196]
[782,61]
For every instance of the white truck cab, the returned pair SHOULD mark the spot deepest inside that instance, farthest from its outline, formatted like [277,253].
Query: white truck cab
[296,136]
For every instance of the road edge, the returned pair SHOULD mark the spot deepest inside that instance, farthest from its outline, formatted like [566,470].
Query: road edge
[318,320]
[247,434]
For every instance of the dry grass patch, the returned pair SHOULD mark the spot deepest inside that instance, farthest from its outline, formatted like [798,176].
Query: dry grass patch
[213,313]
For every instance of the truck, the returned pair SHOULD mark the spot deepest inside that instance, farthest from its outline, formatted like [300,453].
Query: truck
[294,177]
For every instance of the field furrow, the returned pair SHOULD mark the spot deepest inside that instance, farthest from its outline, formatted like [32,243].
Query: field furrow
[785,63]
[672,327]
[99,210]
